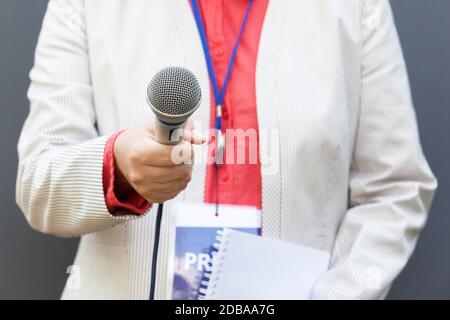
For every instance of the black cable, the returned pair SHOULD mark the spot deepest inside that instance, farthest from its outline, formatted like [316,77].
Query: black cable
[155,251]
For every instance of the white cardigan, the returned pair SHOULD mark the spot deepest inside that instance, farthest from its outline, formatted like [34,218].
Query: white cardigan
[345,172]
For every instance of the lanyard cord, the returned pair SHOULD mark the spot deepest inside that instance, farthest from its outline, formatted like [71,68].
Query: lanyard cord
[218,95]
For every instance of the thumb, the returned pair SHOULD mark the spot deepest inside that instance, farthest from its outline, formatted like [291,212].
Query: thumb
[192,134]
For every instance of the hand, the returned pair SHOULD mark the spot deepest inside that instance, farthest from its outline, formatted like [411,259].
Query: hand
[148,166]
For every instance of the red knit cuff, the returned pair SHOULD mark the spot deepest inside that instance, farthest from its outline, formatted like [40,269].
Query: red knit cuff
[117,201]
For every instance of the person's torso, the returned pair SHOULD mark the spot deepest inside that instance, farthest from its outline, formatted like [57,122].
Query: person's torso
[307,96]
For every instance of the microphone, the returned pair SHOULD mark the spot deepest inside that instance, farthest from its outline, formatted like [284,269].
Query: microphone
[173,95]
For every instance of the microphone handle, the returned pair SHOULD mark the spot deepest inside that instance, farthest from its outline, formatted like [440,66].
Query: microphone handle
[168,134]
[164,134]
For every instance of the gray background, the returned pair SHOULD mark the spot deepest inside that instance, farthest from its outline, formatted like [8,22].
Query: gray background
[33,266]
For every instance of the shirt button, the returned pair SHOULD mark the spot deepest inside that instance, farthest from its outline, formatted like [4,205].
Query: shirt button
[224,176]
[218,52]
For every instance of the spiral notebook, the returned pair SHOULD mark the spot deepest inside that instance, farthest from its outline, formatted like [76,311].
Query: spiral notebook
[250,267]
[195,234]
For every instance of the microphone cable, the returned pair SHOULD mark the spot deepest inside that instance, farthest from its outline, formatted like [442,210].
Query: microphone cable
[155,251]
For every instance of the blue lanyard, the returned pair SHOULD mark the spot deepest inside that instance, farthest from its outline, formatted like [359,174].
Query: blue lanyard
[218,94]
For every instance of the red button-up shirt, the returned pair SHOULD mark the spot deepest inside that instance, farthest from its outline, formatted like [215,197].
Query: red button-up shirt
[239,184]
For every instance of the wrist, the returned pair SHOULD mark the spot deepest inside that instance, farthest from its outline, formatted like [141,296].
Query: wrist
[121,185]
[120,197]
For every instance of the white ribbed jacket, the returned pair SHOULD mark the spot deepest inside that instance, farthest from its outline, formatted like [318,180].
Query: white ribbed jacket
[345,172]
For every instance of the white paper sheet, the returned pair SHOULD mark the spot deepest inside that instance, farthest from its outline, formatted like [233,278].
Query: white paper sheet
[252,267]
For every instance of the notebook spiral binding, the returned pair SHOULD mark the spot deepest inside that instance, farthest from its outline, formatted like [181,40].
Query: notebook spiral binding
[207,283]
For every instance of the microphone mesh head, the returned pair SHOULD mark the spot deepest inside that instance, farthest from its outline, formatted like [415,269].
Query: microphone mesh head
[174,94]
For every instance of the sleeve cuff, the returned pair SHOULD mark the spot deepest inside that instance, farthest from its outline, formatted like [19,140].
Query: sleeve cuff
[117,201]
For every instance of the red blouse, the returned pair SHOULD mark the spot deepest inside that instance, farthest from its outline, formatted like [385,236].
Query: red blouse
[239,184]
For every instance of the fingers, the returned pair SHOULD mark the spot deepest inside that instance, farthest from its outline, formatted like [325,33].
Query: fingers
[166,188]
[151,153]
[161,175]
[192,134]
[159,184]
[169,184]
[161,197]
[164,175]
